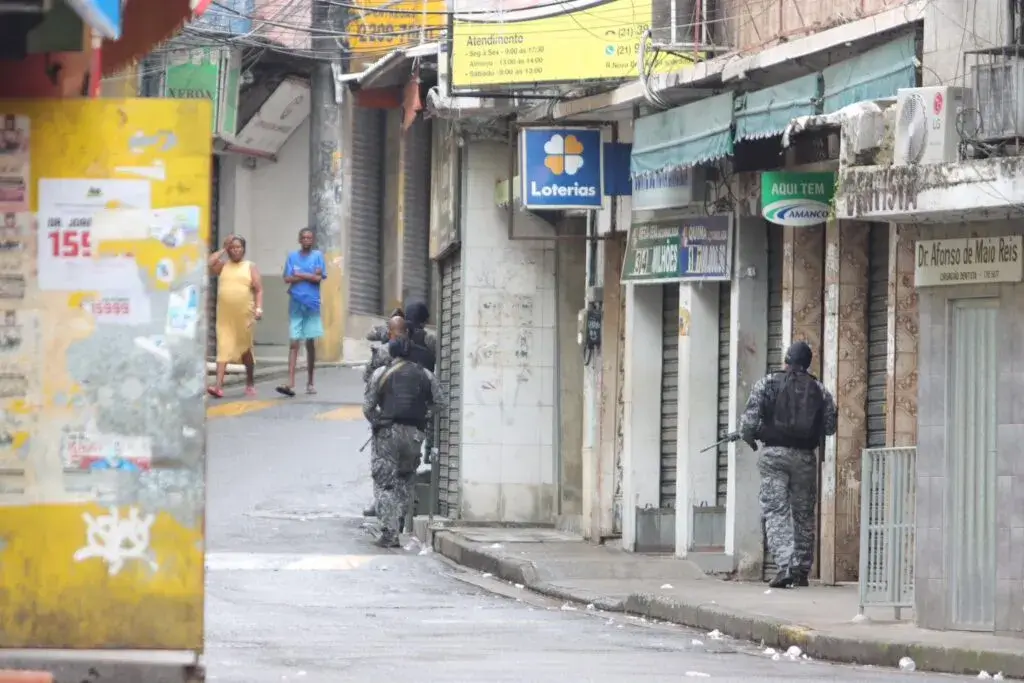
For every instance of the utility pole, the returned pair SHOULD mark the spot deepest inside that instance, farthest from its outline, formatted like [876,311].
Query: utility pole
[325,169]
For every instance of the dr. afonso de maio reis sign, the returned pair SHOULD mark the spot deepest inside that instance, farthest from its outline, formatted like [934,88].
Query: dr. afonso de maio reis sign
[967,261]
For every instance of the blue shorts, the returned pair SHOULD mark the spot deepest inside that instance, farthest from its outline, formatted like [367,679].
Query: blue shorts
[303,326]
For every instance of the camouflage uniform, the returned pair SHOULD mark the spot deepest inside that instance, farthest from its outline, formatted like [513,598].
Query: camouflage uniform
[789,482]
[394,458]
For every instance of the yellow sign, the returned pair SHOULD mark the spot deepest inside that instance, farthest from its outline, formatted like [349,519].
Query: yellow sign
[101,503]
[537,41]
[377,27]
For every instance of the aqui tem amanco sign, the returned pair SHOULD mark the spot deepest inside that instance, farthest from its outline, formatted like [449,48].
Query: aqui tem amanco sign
[561,168]
[796,199]
[968,261]
[679,250]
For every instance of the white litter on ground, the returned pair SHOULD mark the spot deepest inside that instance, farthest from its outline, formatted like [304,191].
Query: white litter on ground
[696,642]
[666,586]
[715,635]
[487,575]
[776,658]
[768,592]
[567,608]
[590,606]
[794,652]
[998,676]
[907,664]
[984,674]
[696,674]
[770,651]
[519,586]
[495,545]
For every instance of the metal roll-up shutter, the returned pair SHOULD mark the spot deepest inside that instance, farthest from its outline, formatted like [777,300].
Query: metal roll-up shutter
[878,335]
[775,341]
[364,288]
[669,392]
[724,332]
[416,212]
[449,438]
[213,245]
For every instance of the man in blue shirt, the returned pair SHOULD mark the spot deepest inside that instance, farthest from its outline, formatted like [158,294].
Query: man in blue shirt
[304,270]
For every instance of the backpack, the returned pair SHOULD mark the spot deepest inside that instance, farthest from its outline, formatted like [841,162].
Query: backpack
[798,413]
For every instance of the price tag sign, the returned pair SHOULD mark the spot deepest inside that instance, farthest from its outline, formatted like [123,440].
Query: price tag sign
[67,261]
[113,307]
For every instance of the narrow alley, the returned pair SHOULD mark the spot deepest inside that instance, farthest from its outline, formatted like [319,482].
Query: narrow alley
[297,592]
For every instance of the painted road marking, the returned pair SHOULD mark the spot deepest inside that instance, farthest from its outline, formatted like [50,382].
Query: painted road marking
[283,562]
[347,413]
[236,408]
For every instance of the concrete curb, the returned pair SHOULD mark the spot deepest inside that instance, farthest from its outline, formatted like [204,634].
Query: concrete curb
[742,625]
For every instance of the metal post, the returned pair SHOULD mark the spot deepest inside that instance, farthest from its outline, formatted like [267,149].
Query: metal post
[325,167]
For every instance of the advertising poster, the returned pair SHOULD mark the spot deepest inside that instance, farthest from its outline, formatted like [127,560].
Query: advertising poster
[527,42]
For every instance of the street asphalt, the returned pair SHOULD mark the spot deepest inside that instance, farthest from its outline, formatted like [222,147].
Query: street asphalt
[296,590]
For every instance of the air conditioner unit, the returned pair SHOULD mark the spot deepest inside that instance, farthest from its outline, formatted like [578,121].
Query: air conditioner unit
[999,94]
[684,24]
[926,129]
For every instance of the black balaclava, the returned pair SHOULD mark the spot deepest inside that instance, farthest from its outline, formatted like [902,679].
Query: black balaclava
[799,355]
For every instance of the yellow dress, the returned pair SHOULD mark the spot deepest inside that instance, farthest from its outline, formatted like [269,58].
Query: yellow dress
[235,311]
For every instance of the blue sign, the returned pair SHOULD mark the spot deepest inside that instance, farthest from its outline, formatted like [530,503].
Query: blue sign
[617,182]
[103,16]
[232,17]
[560,168]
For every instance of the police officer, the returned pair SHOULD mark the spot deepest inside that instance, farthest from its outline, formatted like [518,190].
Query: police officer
[398,400]
[789,412]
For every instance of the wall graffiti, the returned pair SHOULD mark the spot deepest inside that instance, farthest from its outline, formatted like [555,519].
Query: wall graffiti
[116,540]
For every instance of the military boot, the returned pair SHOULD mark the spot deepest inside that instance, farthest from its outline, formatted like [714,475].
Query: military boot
[800,579]
[784,579]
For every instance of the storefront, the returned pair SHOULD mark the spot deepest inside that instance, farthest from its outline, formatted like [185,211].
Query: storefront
[963,252]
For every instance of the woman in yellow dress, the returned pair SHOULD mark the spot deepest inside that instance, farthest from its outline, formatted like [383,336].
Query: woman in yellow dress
[239,306]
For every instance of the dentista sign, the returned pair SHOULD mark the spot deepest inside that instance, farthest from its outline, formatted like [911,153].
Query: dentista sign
[968,261]
[796,199]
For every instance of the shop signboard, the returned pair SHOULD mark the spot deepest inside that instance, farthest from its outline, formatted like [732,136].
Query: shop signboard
[528,42]
[968,261]
[560,168]
[797,199]
[681,250]
[376,27]
[207,73]
[103,16]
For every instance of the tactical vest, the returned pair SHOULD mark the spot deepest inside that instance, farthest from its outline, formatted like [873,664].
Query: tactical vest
[419,352]
[405,395]
[794,415]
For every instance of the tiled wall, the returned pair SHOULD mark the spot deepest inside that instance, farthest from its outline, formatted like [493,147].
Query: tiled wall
[932,590]
[803,273]
[508,454]
[845,365]
[901,390]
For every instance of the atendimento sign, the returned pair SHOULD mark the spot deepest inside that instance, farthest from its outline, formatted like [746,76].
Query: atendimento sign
[968,261]
[796,199]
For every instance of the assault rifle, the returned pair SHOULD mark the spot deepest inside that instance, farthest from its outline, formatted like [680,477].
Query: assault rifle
[729,438]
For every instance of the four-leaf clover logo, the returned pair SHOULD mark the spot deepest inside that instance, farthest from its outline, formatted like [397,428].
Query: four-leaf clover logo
[563,155]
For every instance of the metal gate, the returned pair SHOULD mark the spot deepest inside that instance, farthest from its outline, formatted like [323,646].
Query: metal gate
[449,438]
[364,289]
[724,331]
[775,342]
[416,212]
[669,392]
[972,377]
[878,336]
[213,244]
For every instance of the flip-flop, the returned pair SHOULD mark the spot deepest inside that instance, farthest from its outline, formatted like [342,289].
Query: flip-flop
[311,390]
[215,392]
[250,391]
[286,391]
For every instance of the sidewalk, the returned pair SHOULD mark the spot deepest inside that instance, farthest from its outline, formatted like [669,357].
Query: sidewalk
[819,619]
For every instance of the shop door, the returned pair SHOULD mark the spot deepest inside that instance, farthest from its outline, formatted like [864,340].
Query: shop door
[775,343]
[971,451]
[449,438]
[669,393]
[724,331]
[878,335]
[364,286]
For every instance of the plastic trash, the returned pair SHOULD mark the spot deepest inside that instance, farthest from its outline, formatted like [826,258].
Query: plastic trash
[907,664]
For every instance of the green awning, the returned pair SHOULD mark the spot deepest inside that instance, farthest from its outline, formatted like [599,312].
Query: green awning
[685,136]
[764,113]
[875,74]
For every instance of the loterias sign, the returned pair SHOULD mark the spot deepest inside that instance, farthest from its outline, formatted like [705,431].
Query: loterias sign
[797,199]
[561,168]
